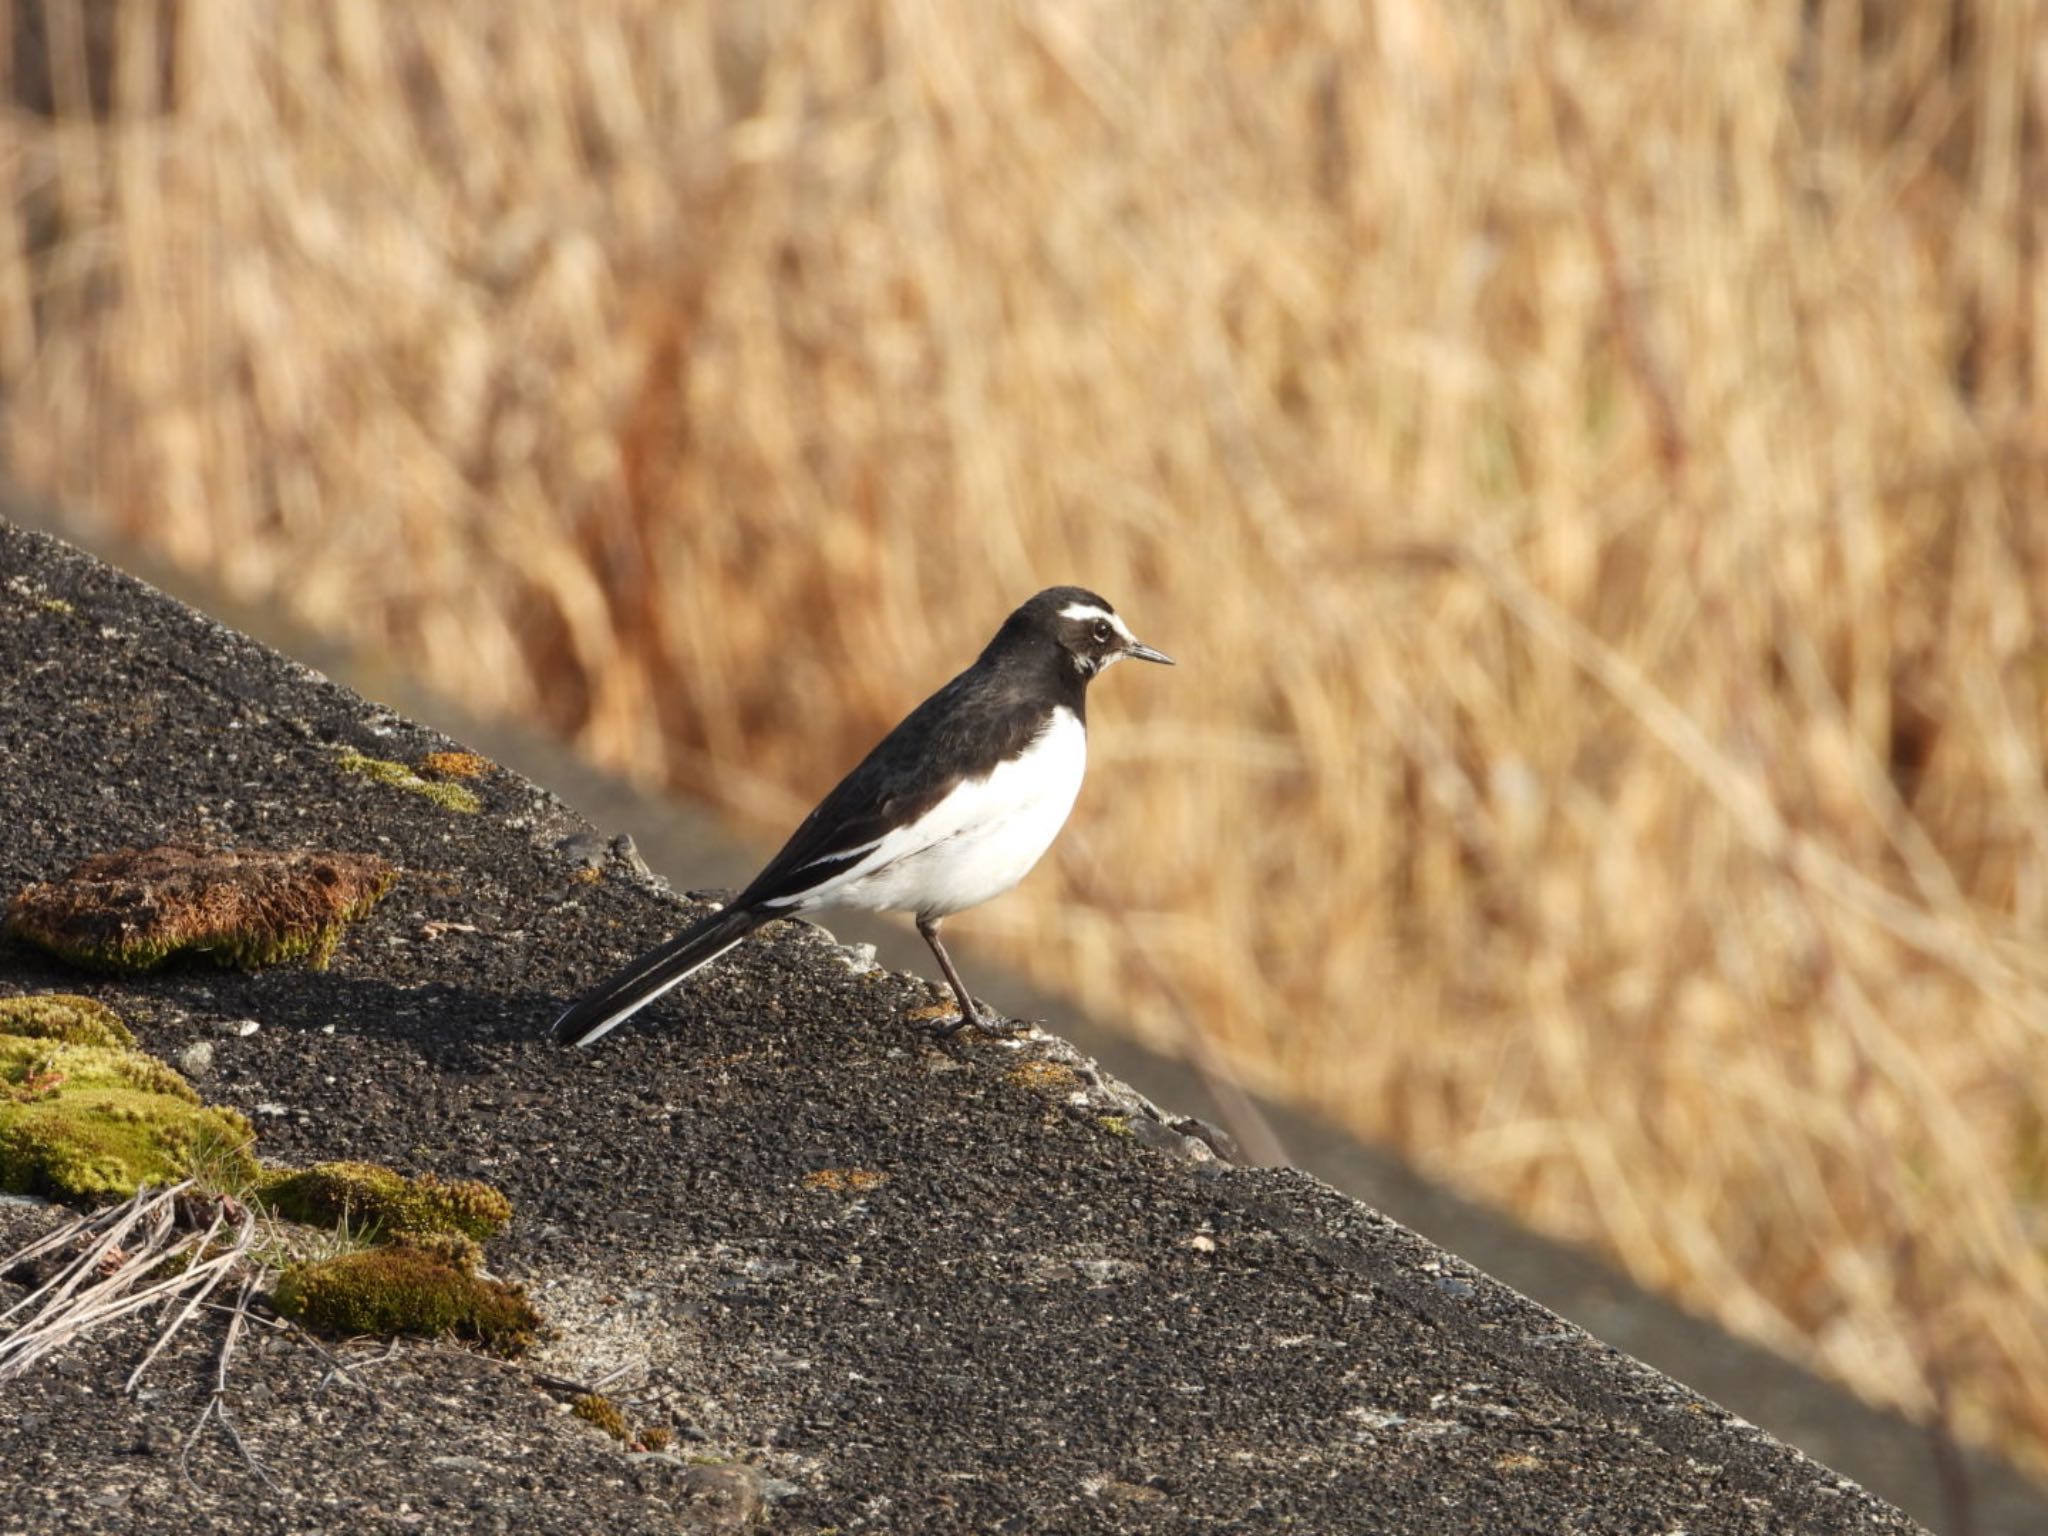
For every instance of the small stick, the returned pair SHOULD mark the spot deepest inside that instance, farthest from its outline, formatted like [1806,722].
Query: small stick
[346,1369]
[542,1378]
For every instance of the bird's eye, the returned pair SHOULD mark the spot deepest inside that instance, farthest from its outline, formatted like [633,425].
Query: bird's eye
[1101,632]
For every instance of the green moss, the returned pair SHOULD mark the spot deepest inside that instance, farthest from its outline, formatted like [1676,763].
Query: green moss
[247,950]
[62,1016]
[602,1412]
[405,1289]
[1116,1125]
[373,1198]
[87,1124]
[450,796]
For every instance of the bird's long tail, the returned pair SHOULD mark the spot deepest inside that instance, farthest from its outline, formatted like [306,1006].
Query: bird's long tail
[604,1007]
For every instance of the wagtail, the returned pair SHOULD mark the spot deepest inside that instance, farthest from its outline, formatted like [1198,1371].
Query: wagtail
[953,807]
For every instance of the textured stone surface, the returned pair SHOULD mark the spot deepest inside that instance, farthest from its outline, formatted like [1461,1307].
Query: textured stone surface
[1033,1320]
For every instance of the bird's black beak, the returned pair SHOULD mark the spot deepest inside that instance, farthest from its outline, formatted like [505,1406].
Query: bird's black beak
[1146,653]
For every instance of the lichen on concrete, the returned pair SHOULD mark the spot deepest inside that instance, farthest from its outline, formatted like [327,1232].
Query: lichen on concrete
[373,1199]
[429,1289]
[448,795]
[87,1121]
[136,908]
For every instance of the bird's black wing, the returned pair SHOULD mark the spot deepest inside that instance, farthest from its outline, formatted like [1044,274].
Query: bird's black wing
[959,732]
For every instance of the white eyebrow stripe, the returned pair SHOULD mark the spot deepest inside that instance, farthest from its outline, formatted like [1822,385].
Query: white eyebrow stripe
[1090,611]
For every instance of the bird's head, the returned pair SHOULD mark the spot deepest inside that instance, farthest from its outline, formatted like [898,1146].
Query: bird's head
[1083,626]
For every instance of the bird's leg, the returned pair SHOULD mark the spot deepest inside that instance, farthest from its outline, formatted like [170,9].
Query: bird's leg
[969,1013]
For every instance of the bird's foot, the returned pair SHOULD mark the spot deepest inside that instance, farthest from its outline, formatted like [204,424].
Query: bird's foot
[984,1020]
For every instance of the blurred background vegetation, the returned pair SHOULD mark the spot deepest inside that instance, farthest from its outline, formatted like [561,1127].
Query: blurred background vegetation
[1587,458]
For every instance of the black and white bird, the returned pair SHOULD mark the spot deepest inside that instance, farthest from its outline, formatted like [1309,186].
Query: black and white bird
[953,807]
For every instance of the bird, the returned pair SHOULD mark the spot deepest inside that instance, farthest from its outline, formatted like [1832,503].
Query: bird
[951,808]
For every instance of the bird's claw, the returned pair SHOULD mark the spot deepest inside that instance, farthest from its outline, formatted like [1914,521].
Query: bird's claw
[984,1020]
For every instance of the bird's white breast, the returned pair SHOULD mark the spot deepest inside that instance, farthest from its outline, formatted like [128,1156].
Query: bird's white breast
[978,841]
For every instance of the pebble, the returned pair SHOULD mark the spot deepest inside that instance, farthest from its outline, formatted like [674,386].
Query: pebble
[1150,1133]
[196,1060]
[724,1497]
[584,848]
[623,850]
[1214,1137]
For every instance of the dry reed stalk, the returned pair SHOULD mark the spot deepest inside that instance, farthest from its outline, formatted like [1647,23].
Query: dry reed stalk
[1663,854]
[118,1250]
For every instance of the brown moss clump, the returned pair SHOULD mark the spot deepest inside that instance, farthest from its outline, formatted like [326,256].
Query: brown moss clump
[86,1118]
[64,1017]
[134,909]
[455,765]
[845,1180]
[372,1198]
[1044,1076]
[602,1412]
[427,1290]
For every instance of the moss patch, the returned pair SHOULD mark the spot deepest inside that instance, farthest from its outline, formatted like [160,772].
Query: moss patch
[64,1017]
[405,1288]
[592,1408]
[87,1122]
[449,796]
[376,1199]
[455,765]
[134,909]
[602,1412]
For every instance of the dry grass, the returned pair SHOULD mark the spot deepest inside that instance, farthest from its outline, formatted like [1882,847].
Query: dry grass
[1584,457]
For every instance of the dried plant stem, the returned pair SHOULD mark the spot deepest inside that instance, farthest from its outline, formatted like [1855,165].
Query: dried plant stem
[213,1270]
[111,1227]
[216,1408]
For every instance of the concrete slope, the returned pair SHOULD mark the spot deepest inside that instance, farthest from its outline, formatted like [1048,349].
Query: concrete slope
[873,1284]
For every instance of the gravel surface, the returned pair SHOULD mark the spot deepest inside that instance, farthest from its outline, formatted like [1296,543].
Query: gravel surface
[868,1283]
